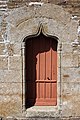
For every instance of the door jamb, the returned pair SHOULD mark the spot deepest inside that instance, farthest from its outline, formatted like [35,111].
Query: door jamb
[40,30]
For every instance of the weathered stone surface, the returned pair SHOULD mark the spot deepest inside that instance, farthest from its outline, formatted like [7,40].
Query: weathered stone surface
[17,48]
[10,76]
[10,105]
[71,75]
[14,48]
[3,62]
[15,62]
[69,108]
[1,39]
[24,21]
[44,111]
[44,11]
[22,32]
[64,27]
[66,47]
[69,60]
[2,48]
[70,99]
[10,49]
[10,89]
[71,88]
[43,118]
[75,60]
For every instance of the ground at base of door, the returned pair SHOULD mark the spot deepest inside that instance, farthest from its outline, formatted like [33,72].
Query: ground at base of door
[43,118]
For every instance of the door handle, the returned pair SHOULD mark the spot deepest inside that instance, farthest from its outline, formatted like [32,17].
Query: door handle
[48,78]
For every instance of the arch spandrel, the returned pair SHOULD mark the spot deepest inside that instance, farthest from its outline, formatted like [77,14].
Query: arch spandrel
[41,29]
[19,15]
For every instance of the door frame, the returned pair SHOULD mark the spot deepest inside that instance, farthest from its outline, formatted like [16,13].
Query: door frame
[59,49]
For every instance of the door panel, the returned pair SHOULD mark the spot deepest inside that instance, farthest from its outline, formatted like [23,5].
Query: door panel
[41,71]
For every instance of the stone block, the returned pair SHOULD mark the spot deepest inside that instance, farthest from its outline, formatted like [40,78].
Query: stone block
[13,98]
[10,48]
[10,89]
[70,75]
[17,48]
[15,63]
[66,60]
[2,48]
[75,60]
[9,76]
[1,39]
[76,108]
[71,107]
[70,98]
[66,47]
[71,88]
[70,92]
[21,30]
[10,105]
[3,62]
[14,48]
[69,60]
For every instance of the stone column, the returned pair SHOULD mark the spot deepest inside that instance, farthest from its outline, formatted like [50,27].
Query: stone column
[23,76]
[60,77]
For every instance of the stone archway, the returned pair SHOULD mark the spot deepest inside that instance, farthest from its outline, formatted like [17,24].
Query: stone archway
[40,30]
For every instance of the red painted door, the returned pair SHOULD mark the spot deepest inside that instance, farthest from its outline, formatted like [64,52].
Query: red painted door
[41,71]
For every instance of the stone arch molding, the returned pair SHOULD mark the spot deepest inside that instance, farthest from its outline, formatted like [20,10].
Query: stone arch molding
[26,21]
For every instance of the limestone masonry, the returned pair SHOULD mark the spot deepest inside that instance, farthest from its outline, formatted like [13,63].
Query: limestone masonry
[23,18]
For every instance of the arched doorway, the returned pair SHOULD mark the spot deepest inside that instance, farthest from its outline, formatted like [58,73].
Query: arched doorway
[41,71]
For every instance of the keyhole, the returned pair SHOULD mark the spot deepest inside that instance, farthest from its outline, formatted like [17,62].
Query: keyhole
[48,78]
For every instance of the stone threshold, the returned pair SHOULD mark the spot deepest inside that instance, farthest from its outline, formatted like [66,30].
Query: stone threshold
[42,112]
[47,113]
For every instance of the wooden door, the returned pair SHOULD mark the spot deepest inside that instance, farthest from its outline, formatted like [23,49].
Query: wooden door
[41,71]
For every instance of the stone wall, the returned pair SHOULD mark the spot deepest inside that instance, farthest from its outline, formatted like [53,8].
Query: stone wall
[10,73]
[19,20]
